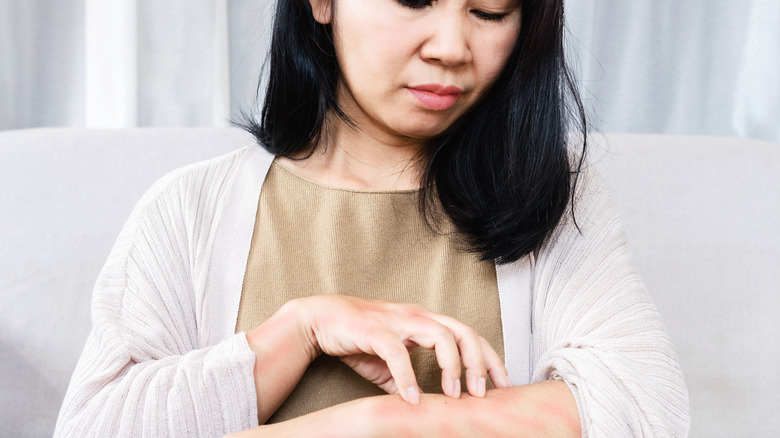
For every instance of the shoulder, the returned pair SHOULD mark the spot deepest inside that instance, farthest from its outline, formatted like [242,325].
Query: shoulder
[591,212]
[588,249]
[202,185]
[203,174]
[180,211]
[170,229]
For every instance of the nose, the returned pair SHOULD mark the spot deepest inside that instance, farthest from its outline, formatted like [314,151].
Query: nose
[447,41]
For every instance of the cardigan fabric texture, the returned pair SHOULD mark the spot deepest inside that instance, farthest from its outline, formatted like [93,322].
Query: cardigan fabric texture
[162,358]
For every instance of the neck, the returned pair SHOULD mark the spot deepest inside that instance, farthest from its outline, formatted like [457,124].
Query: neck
[351,158]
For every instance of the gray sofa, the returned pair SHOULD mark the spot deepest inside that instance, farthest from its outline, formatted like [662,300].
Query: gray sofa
[702,216]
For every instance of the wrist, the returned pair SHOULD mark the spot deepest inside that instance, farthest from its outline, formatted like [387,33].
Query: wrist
[288,327]
[299,313]
[283,350]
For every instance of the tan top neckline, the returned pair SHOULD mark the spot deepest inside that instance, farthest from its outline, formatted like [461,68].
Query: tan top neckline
[282,167]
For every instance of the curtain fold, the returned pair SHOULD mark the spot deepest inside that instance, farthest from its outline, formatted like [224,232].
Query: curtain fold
[647,66]
[42,69]
[680,67]
[757,94]
[111,42]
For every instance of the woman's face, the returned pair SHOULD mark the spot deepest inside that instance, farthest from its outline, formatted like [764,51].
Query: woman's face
[410,68]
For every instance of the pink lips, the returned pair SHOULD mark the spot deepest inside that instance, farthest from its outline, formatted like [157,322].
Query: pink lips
[436,97]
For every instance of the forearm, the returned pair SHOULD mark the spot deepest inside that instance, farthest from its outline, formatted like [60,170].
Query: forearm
[544,409]
[111,394]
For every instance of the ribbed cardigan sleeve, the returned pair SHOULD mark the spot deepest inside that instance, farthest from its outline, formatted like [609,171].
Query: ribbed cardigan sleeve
[595,327]
[142,371]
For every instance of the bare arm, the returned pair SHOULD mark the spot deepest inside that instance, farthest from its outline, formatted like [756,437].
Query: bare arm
[543,409]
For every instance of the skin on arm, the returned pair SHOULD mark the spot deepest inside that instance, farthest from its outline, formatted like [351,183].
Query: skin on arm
[543,409]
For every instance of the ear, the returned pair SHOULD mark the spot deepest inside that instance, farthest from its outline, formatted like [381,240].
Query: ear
[322,10]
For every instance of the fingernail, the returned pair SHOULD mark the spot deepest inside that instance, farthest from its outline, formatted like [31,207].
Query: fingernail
[456,388]
[509,381]
[413,395]
[481,387]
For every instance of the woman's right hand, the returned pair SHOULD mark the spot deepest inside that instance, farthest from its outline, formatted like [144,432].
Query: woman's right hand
[374,338]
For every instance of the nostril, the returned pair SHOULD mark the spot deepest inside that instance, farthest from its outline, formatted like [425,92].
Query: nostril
[447,52]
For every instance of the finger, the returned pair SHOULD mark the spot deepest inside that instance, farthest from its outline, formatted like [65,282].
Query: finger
[429,334]
[392,350]
[471,353]
[372,368]
[495,366]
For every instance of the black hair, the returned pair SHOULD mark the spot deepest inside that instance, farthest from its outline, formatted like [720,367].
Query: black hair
[502,172]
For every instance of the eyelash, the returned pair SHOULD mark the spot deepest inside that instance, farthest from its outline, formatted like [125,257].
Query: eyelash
[415,4]
[419,4]
[489,17]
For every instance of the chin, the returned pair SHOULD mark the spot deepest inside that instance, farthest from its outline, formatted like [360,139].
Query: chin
[421,134]
[424,128]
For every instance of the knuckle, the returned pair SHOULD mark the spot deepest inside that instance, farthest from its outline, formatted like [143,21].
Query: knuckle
[477,364]
[471,332]
[486,347]
[474,361]
[442,333]
[411,309]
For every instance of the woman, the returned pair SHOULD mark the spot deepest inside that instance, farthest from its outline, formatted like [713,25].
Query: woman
[418,193]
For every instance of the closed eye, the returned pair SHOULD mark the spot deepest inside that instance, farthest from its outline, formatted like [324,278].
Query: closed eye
[488,17]
[482,15]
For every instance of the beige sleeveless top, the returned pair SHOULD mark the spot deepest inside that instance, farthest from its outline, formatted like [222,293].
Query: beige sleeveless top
[310,239]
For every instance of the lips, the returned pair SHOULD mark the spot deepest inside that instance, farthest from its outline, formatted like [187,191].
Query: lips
[436,97]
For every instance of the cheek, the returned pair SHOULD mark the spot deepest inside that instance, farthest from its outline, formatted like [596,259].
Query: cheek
[493,54]
[371,46]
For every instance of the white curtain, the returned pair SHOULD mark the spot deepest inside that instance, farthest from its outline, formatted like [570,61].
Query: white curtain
[122,63]
[702,67]
[172,62]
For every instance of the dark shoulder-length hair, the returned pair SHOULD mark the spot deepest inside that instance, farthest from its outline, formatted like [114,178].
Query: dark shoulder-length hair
[502,172]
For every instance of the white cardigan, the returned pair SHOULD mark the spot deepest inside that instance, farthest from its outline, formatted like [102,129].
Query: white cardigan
[162,358]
